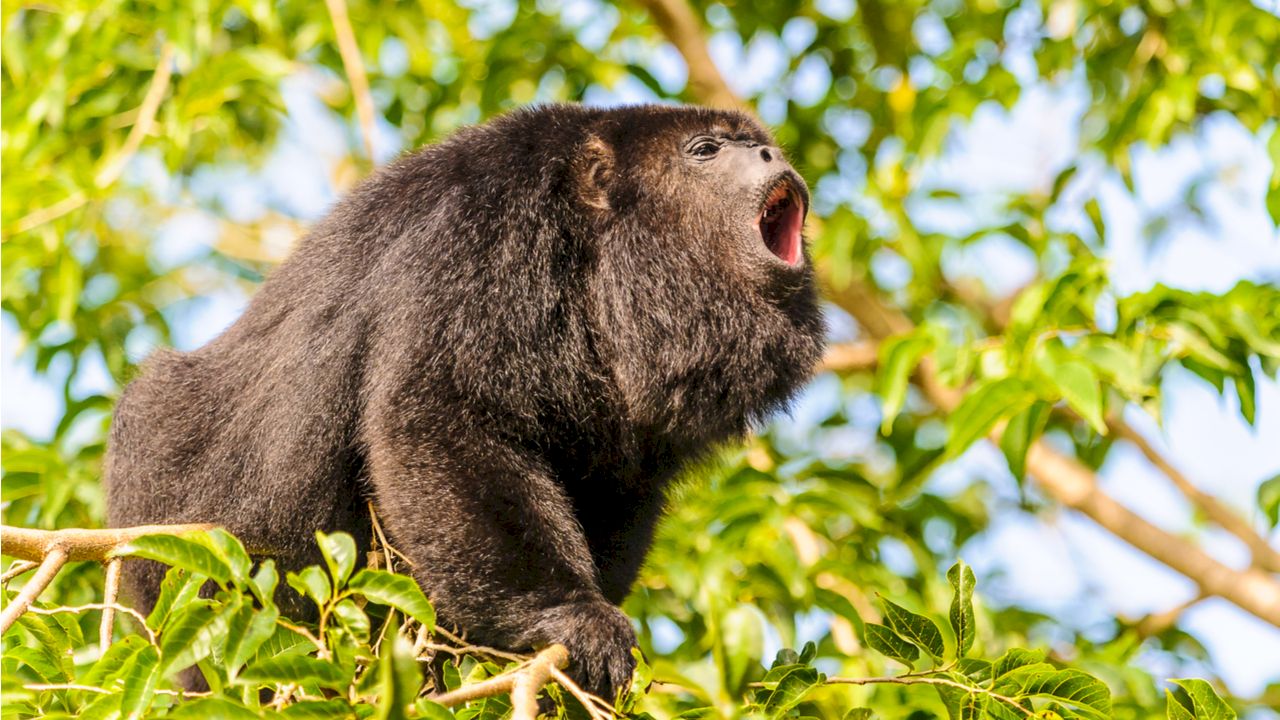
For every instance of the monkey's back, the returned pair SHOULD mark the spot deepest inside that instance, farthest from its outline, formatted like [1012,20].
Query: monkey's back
[261,430]
[257,431]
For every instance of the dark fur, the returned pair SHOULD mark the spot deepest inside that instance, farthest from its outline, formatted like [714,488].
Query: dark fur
[510,341]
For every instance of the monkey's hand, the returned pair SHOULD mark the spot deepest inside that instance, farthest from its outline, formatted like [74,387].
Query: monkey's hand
[599,639]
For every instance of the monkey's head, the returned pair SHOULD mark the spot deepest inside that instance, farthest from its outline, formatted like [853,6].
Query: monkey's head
[704,291]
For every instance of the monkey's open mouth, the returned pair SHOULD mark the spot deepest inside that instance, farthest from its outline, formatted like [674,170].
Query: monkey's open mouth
[780,222]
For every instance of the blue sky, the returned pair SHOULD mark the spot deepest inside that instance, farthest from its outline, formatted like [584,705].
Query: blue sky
[1060,563]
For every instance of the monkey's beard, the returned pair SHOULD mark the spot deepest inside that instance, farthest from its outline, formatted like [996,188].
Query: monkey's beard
[780,223]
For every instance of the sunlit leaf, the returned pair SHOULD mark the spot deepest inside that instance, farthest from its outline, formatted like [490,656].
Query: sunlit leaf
[962,618]
[398,591]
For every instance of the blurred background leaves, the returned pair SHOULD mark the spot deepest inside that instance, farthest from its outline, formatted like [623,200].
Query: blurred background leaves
[160,157]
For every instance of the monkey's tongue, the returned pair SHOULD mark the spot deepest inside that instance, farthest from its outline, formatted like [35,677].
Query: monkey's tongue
[780,228]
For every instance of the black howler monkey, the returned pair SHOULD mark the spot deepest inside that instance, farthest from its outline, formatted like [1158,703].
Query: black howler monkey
[510,341]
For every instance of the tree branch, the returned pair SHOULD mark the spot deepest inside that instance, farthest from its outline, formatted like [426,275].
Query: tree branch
[96,545]
[110,591]
[1265,557]
[146,118]
[683,28]
[354,67]
[1063,478]
[850,357]
[45,574]
[523,683]
[55,548]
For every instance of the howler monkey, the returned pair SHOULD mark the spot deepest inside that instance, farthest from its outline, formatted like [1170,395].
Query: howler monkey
[509,341]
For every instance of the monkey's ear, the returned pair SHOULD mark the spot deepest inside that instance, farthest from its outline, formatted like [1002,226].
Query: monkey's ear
[593,172]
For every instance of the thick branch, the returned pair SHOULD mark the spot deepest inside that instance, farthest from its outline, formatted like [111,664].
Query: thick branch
[1265,557]
[354,67]
[96,545]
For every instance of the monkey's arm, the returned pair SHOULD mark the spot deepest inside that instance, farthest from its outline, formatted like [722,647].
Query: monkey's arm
[496,545]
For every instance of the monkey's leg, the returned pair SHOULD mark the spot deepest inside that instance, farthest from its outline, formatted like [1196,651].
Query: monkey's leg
[495,544]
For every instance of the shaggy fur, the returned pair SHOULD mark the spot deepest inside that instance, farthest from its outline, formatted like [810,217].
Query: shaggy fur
[510,341]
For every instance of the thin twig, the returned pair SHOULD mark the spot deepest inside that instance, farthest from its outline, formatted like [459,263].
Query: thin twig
[48,569]
[36,218]
[104,691]
[110,591]
[474,650]
[17,569]
[382,539]
[146,118]
[596,707]
[321,648]
[104,606]
[1157,622]
[354,66]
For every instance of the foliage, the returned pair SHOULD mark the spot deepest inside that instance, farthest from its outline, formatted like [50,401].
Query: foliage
[836,538]
[361,657]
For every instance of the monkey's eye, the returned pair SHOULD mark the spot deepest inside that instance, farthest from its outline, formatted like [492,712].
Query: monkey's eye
[705,149]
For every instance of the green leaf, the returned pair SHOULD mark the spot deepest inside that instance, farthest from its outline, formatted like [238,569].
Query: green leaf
[982,408]
[962,704]
[264,581]
[1269,496]
[112,664]
[918,629]
[311,583]
[428,710]
[247,630]
[741,642]
[296,669]
[182,553]
[1115,361]
[898,359]
[140,681]
[339,552]
[192,633]
[1200,699]
[335,709]
[229,550]
[1015,658]
[352,619]
[397,591]
[1023,430]
[790,690]
[1079,386]
[1089,695]
[398,680]
[1247,391]
[178,588]
[1174,709]
[213,708]
[886,642]
[962,618]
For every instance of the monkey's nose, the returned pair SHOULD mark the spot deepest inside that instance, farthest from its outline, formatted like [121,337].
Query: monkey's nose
[766,155]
